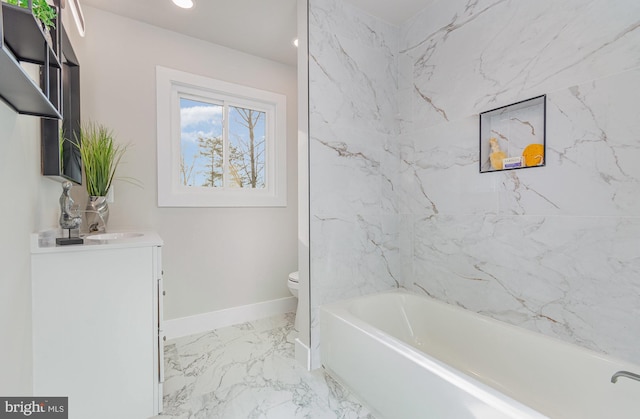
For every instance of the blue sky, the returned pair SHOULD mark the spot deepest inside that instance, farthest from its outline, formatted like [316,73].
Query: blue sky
[201,119]
[197,119]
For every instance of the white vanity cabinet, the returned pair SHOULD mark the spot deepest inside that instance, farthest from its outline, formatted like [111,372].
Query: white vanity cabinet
[97,326]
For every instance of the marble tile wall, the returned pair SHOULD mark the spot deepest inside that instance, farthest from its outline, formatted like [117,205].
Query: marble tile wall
[352,119]
[396,195]
[552,248]
[461,57]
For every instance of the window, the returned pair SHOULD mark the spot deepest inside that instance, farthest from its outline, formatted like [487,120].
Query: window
[219,144]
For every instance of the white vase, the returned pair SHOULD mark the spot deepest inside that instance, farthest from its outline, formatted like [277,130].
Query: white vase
[97,214]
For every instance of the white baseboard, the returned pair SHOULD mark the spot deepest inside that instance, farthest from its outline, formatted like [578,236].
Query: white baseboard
[303,355]
[205,322]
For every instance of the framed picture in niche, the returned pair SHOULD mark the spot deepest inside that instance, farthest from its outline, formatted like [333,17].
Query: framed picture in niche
[513,136]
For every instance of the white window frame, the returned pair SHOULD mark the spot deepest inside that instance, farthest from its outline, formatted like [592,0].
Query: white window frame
[170,86]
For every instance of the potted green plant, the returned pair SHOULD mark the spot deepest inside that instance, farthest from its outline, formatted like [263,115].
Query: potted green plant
[100,159]
[41,10]
[45,13]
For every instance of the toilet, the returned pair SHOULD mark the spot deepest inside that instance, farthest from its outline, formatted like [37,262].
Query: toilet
[293,283]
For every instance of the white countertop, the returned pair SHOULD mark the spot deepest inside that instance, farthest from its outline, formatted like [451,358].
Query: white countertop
[45,242]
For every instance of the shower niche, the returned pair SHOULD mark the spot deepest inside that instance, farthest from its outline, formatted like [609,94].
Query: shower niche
[513,136]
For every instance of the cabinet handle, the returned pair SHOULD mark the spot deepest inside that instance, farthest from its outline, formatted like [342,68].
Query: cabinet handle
[161,356]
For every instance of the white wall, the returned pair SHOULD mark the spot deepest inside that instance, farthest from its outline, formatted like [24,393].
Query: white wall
[29,202]
[214,258]
[396,194]
[205,262]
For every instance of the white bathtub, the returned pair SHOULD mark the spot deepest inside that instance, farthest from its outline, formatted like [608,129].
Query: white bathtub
[409,356]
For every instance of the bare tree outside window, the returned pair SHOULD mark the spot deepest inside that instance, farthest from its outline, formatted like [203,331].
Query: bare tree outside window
[203,161]
[211,149]
[201,146]
[247,147]
[220,144]
[186,170]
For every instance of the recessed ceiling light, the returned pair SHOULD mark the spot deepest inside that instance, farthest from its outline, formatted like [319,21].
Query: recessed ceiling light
[185,4]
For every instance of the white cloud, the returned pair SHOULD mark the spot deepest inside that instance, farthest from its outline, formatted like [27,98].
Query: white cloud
[192,136]
[199,114]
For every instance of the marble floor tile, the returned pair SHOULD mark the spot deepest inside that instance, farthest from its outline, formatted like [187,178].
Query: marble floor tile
[249,371]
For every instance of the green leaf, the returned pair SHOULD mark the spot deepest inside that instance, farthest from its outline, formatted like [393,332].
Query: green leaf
[100,157]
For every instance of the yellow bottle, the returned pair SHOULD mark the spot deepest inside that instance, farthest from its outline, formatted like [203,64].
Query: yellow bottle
[496,155]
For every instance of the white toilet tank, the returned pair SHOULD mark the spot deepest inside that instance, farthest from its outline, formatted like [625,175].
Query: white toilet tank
[293,283]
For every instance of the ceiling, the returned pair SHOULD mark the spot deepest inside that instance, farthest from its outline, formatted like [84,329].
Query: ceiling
[265,28]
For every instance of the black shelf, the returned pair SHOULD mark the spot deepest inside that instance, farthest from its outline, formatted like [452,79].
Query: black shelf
[61,159]
[25,37]
[23,40]
[20,92]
